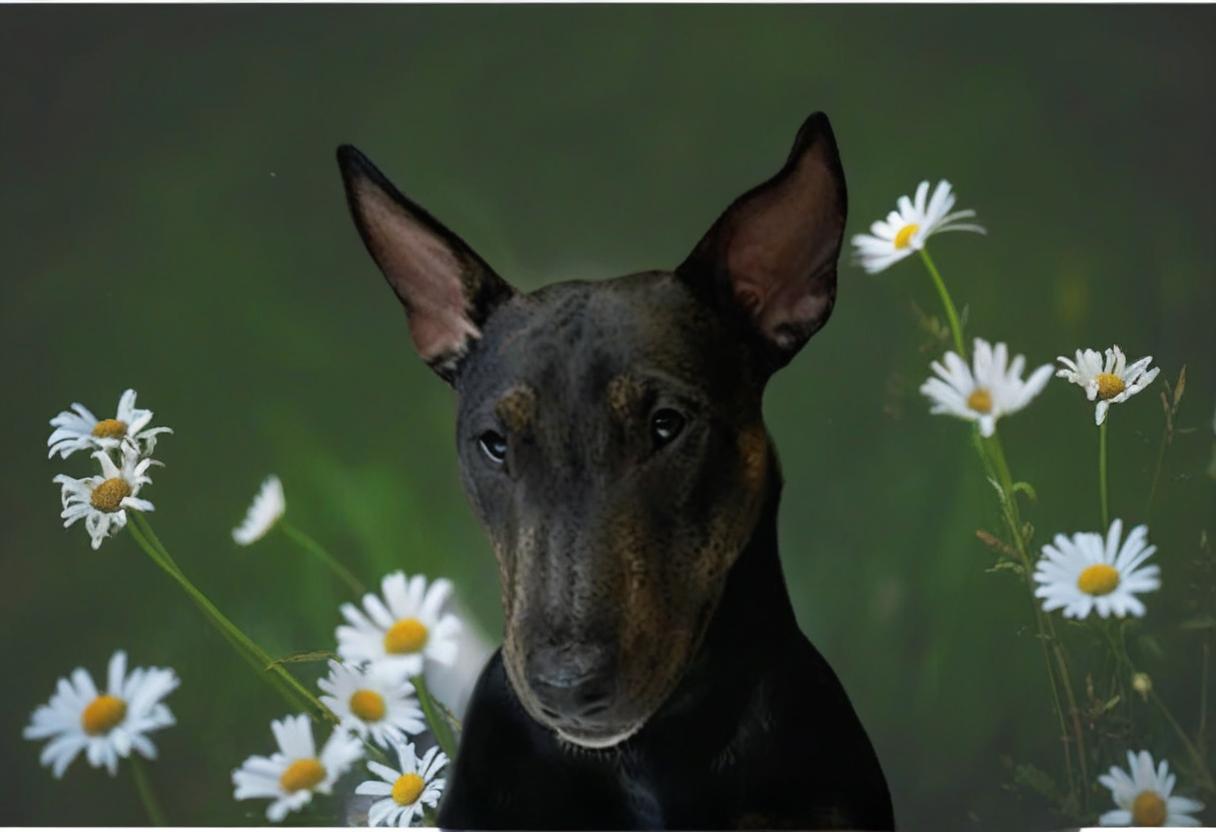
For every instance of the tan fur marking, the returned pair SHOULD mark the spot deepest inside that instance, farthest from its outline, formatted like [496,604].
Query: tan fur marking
[753,455]
[517,408]
[623,394]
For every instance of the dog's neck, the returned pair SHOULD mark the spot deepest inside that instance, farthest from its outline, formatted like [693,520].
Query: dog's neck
[753,623]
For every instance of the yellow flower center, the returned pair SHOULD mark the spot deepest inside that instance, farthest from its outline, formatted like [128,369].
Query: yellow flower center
[302,774]
[1148,809]
[980,401]
[1098,579]
[904,236]
[108,495]
[1109,385]
[407,788]
[408,635]
[102,714]
[110,429]
[367,705]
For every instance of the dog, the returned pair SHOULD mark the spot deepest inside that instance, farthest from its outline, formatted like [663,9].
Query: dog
[610,440]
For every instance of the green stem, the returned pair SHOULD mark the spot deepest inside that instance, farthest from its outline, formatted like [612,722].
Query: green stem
[956,327]
[147,797]
[433,711]
[992,456]
[319,552]
[1102,491]
[284,682]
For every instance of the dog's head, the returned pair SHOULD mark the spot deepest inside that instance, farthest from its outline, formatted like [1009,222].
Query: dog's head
[609,433]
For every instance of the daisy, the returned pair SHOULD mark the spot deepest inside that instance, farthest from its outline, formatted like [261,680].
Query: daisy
[1142,794]
[1085,571]
[78,429]
[991,388]
[908,229]
[107,725]
[267,508]
[1111,382]
[291,775]
[103,500]
[404,629]
[407,791]
[372,702]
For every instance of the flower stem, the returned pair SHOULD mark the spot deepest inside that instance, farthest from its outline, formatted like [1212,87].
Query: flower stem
[319,552]
[1052,648]
[1102,491]
[286,684]
[156,817]
[956,327]
[433,711]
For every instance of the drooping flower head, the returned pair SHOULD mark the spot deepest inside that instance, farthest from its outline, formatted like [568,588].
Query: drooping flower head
[292,775]
[78,429]
[103,501]
[1086,572]
[267,508]
[405,792]
[906,230]
[1144,795]
[991,388]
[106,726]
[404,629]
[1109,382]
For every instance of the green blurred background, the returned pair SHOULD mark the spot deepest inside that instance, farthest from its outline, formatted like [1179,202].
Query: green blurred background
[172,220]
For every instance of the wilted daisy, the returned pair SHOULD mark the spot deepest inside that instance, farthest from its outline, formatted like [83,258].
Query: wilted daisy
[107,725]
[291,775]
[267,507]
[1143,794]
[406,791]
[992,387]
[402,630]
[371,701]
[1084,572]
[907,229]
[103,500]
[78,429]
[1108,382]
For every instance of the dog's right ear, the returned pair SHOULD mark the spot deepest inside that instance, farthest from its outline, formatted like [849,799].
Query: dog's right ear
[447,290]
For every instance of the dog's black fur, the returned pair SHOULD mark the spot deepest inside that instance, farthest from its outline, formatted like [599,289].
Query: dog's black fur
[611,441]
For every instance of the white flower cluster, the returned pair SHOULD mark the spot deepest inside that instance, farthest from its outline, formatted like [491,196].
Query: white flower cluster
[370,693]
[122,446]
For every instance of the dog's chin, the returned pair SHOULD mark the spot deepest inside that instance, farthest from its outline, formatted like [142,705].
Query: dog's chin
[597,740]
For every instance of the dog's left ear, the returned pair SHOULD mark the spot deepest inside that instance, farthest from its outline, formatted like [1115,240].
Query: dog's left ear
[772,255]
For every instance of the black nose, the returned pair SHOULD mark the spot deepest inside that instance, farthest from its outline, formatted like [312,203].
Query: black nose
[572,682]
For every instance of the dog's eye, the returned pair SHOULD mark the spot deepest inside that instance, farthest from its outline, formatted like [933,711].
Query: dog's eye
[665,425]
[494,446]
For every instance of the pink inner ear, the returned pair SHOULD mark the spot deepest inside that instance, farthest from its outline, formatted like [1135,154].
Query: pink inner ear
[425,274]
[780,240]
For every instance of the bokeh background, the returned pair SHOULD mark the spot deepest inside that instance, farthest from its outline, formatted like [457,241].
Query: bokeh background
[172,220]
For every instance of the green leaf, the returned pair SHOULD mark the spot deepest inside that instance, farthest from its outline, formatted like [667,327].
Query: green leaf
[303,657]
[1202,622]
[1006,566]
[1027,489]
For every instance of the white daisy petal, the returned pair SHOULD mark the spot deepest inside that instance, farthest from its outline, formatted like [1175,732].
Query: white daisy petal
[1143,795]
[991,388]
[907,229]
[399,634]
[408,789]
[1107,381]
[107,726]
[268,506]
[291,776]
[1089,571]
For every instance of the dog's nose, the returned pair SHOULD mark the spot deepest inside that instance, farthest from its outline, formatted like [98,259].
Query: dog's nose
[572,682]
